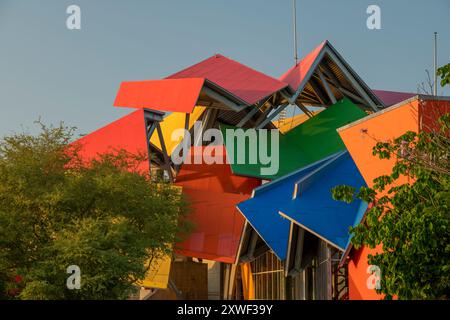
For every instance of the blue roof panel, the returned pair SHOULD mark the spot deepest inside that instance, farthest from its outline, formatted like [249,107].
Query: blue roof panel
[262,210]
[314,208]
[305,198]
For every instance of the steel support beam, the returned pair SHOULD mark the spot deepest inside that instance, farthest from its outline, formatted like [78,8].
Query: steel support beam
[252,112]
[252,245]
[330,74]
[247,117]
[151,122]
[216,96]
[352,80]
[164,152]
[308,75]
[299,249]
[186,128]
[304,109]
[300,105]
[318,91]
[335,82]
[273,115]
[151,126]
[186,121]
[351,95]
[263,115]
[327,87]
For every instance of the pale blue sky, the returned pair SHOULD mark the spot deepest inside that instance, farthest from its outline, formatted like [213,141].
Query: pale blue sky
[49,71]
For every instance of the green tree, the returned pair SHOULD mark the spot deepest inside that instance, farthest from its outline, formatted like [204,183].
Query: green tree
[57,210]
[411,221]
[444,73]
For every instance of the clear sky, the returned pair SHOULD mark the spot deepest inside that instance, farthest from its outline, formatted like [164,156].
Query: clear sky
[73,75]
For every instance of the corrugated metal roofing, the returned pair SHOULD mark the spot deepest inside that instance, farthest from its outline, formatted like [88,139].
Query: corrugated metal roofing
[243,82]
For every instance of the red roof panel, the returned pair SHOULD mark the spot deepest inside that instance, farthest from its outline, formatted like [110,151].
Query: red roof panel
[297,73]
[243,82]
[126,133]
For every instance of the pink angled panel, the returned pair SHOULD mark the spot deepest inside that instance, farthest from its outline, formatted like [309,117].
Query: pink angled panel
[297,73]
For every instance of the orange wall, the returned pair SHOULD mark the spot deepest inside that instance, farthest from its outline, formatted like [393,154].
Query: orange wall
[362,137]
[359,138]
[213,193]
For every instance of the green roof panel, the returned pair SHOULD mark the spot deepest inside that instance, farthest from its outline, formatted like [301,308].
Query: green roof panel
[309,142]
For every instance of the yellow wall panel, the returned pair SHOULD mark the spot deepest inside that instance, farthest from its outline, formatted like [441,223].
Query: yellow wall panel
[172,122]
[248,286]
[158,274]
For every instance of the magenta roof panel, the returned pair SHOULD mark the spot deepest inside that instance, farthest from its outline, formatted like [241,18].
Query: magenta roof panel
[390,98]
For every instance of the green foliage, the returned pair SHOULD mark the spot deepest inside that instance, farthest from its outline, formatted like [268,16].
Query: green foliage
[410,220]
[57,211]
[444,73]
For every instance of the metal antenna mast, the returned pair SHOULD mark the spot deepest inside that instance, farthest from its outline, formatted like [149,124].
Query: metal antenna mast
[294,14]
[435,65]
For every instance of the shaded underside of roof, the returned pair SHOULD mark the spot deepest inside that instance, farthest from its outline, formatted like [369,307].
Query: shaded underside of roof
[309,142]
[341,79]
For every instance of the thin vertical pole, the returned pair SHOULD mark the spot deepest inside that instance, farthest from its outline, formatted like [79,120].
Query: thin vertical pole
[435,65]
[294,14]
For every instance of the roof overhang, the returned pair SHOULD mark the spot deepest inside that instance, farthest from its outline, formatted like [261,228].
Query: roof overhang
[176,95]
[326,77]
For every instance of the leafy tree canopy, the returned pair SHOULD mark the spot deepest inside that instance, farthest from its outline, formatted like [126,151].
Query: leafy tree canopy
[410,220]
[57,210]
[444,73]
